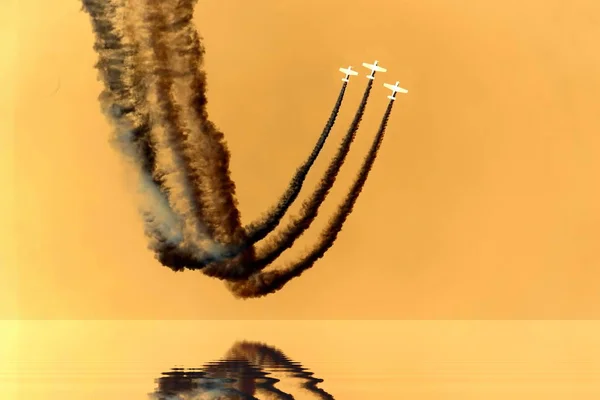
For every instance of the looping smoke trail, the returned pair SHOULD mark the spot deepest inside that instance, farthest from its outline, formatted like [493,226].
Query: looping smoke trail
[150,60]
[185,59]
[276,245]
[266,282]
[206,145]
[259,229]
[282,241]
[202,145]
[310,208]
[170,132]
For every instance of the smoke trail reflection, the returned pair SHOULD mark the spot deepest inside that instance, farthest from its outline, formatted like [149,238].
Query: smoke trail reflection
[244,373]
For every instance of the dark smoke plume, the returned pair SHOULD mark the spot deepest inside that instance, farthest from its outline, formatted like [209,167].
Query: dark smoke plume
[282,241]
[267,282]
[122,100]
[260,229]
[168,112]
[257,230]
[310,208]
[150,61]
[204,144]
[201,145]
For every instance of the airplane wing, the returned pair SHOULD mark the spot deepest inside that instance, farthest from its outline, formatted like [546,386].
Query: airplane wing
[348,71]
[373,67]
[395,88]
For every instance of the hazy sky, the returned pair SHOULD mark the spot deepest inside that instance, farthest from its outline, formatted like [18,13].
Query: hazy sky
[483,203]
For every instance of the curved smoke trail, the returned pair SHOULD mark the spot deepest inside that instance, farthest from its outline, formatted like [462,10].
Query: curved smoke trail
[310,208]
[169,131]
[259,229]
[263,283]
[150,60]
[282,241]
[122,101]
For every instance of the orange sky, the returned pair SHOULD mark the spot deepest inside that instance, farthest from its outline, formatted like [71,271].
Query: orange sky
[484,202]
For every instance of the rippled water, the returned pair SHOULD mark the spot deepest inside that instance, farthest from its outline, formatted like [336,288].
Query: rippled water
[299,360]
[250,370]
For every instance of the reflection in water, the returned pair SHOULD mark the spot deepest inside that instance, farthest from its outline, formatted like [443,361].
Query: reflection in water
[242,374]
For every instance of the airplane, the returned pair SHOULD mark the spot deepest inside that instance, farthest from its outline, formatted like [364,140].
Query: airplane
[374,68]
[348,71]
[395,89]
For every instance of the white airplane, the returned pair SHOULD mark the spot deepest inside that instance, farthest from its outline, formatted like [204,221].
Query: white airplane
[348,71]
[395,89]
[374,68]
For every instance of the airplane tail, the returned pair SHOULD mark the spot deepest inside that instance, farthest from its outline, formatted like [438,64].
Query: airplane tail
[392,97]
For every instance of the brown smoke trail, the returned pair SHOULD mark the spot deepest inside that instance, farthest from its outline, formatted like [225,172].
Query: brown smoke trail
[263,283]
[174,73]
[122,102]
[259,229]
[203,146]
[310,208]
[209,156]
[150,59]
[169,132]
[267,253]
[114,65]
[132,101]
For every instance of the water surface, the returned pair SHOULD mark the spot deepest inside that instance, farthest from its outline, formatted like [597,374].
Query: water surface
[299,360]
